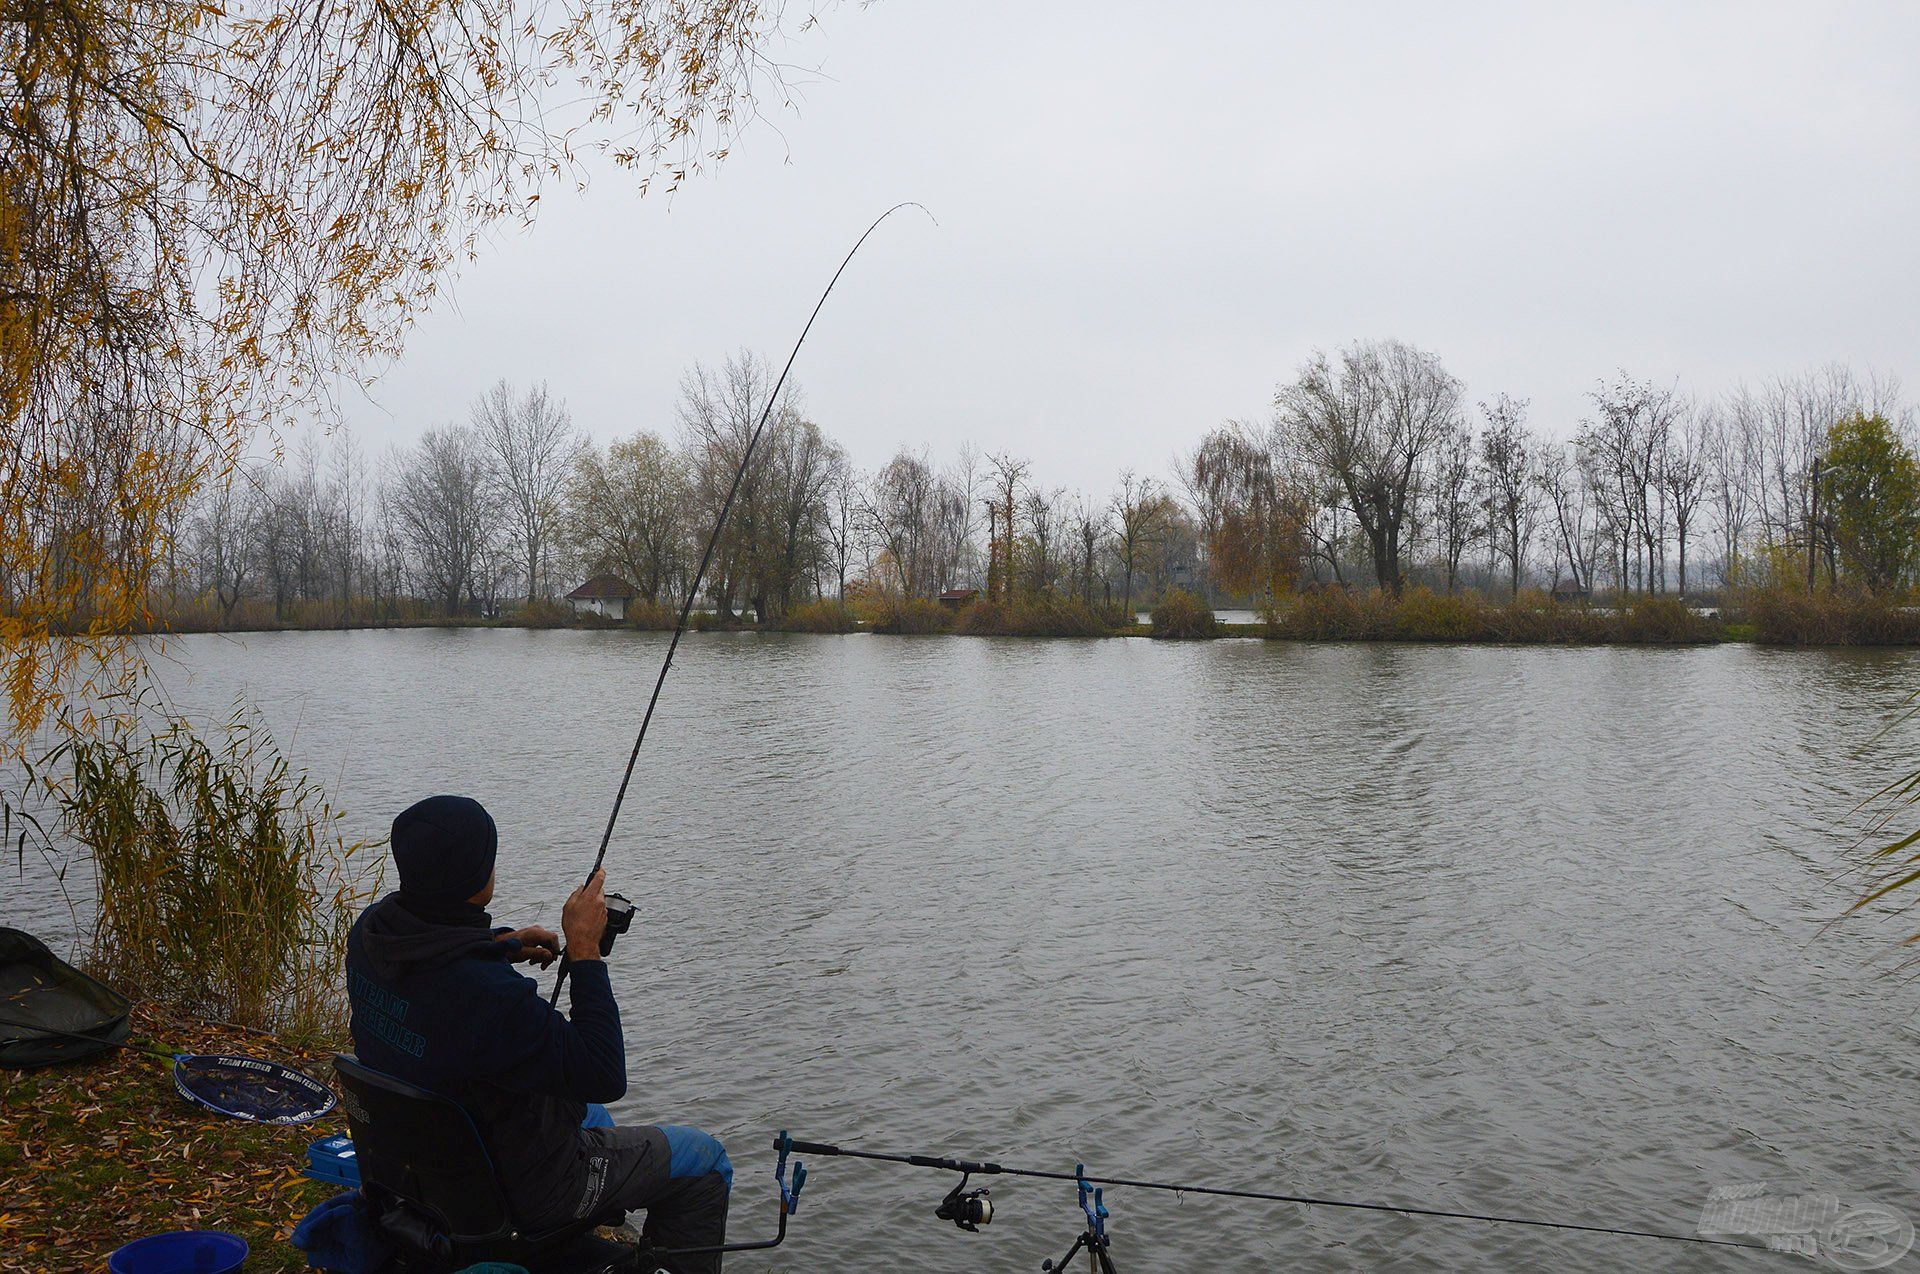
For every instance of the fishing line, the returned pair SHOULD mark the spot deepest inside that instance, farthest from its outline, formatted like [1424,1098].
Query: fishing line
[706,557]
[969,1167]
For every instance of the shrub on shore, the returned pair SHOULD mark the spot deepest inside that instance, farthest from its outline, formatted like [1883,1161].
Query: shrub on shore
[1663,621]
[1420,614]
[1331,614]
[1338,614]
[904,616]
[823,616]
[1182,616]
[1789,616]
[204,614]
[544,613]
[652,617]
[1032,615]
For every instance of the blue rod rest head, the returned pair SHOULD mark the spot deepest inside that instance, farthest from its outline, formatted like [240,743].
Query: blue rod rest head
[789,1194]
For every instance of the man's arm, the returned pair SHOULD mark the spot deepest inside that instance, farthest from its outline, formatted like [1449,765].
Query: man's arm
[585,1058]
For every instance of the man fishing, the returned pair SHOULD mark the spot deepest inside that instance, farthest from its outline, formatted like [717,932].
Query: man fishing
[436,1004]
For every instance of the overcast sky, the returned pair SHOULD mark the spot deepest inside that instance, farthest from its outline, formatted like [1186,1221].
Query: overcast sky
[1149,214]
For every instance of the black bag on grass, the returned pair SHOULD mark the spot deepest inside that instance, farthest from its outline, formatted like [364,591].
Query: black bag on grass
[39,989]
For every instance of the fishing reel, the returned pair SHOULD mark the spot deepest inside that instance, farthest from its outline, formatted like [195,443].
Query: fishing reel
[967,1209]
[619,920]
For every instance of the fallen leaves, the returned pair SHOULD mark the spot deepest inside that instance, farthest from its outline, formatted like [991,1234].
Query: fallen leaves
[97,1153]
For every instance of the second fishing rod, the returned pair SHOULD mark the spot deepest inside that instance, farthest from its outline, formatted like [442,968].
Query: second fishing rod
[619,909]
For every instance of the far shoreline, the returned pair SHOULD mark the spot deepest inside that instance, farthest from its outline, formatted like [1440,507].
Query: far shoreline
[1727,635]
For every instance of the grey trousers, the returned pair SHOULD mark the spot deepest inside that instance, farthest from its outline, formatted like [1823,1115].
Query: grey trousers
[679,1176]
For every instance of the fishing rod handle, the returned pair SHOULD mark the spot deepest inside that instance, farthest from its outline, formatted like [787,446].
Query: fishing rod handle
[917,1161]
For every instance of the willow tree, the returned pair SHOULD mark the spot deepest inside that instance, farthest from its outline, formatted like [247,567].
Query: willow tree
[210,215]
[1252,514]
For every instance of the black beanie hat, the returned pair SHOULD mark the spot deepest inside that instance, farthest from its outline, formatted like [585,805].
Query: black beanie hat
[444,848]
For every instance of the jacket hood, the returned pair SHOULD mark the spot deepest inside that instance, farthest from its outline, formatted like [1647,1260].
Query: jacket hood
[398,939]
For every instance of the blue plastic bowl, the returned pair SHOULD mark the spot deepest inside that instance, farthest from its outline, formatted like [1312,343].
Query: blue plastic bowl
[182,1252]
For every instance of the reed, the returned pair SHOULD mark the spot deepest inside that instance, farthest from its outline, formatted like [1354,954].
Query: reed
[223,884]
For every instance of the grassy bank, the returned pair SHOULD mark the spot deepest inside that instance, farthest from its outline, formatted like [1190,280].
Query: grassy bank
[100,1152]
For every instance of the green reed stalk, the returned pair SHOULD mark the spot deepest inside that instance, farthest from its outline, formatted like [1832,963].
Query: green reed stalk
[223,884]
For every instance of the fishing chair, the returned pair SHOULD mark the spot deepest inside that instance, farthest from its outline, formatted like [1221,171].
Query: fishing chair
[436,1196]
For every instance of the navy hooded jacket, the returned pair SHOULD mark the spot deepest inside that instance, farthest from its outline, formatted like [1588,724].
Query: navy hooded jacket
[436,1003]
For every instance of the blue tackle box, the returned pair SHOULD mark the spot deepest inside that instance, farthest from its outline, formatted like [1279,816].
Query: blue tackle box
[331,1159]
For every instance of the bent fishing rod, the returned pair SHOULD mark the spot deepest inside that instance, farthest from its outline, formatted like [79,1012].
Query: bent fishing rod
[622,913]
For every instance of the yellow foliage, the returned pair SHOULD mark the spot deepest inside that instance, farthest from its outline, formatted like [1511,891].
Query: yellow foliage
[209,216]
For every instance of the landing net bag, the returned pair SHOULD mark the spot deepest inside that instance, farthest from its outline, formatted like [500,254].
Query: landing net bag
[249,1088]
[42,993]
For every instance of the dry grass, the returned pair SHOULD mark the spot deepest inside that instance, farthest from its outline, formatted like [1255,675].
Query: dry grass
[542,614]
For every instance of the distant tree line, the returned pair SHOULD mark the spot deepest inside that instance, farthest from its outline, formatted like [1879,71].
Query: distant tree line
[1371,469]
[515,505]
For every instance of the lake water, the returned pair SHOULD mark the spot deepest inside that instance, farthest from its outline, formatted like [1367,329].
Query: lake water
[1533,931]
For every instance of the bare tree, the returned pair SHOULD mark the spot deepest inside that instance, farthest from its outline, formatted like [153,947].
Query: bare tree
[802,466]
[533,445]
[1562,481]
[955,551]
[1141,518]
[1683,479]
[1454,497]
[224,530]
[1366,426]
[443,501]
[1044,513]
[844,502]
[1090,526]
[1729,449]
[1009,475]
[1507,476]
[346,500]
[902,513]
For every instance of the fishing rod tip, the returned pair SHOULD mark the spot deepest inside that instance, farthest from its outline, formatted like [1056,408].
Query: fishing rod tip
[910,203]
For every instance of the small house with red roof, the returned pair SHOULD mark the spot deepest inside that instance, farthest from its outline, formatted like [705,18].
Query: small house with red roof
[603,595]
